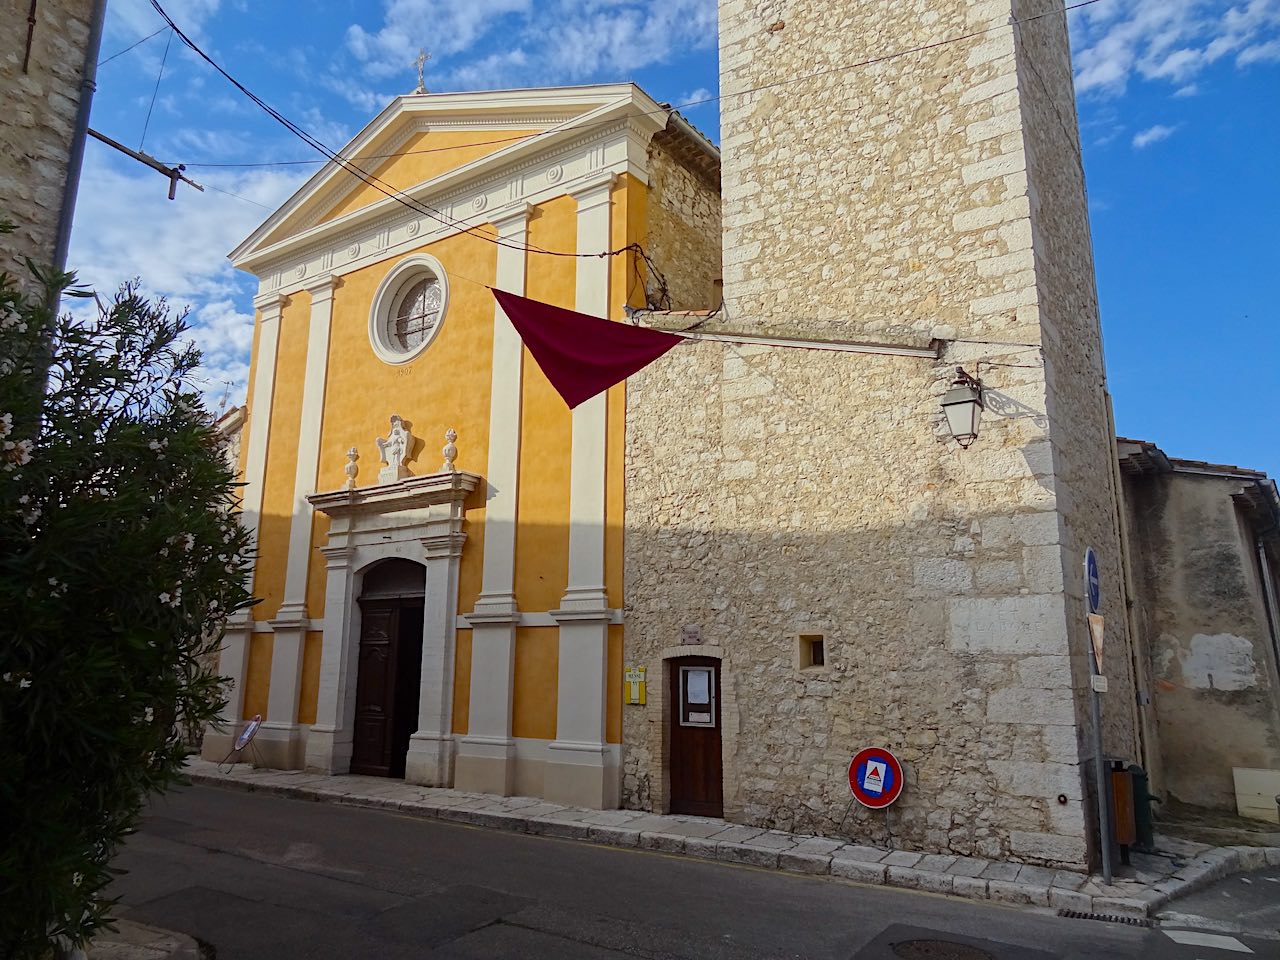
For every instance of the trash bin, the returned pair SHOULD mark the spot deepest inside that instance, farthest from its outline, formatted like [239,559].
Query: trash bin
[1124,825]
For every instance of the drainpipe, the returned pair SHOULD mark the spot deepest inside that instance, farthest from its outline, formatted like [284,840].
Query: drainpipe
[75,159]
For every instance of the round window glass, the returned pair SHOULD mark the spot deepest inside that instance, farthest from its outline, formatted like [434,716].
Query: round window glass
[408,309]
[415,317]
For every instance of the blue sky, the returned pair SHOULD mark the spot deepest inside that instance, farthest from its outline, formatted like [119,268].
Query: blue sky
[1179,105]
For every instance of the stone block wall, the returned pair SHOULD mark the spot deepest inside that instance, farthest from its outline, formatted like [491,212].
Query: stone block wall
[777,491]
[1080,431]
[684,220]
[37,123]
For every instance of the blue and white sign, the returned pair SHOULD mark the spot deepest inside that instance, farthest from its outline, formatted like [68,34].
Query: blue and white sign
[1092,582]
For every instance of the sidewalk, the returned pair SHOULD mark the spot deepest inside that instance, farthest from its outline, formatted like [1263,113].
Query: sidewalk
[136,941]
[1177,868]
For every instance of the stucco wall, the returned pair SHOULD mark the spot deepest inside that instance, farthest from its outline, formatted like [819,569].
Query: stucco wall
[37,123]
[1201,611]
[772,492]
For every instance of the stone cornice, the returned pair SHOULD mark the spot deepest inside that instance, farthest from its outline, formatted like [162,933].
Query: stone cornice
[408,494]
[463,200]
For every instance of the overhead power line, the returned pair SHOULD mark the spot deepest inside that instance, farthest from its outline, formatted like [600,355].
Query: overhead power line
[421,207]
[136,43]
[661,110]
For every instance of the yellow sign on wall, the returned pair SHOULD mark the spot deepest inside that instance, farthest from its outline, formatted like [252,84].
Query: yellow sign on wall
[633,686]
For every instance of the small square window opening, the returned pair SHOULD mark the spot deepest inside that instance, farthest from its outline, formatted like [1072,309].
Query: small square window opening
[811,651]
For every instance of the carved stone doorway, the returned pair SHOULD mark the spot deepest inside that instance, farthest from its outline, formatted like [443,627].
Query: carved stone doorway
[389,669]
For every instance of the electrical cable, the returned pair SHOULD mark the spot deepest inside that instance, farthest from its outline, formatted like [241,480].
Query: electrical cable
[421,207]
[154,93]
[667,109]
[134,44]
[236,195]
[363,175]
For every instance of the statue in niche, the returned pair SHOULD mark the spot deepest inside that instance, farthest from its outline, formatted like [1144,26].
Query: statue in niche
[394,450]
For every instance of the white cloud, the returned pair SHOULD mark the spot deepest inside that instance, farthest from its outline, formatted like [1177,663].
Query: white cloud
[444,28]
[126,227]
[1145,138]
[695,98]
[566,41]
[1169,40]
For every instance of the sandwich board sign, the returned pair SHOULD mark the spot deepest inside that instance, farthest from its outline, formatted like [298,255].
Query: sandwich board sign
[875,777]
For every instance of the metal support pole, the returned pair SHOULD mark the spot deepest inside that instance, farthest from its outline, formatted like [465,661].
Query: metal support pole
[1099,763]
[75,158]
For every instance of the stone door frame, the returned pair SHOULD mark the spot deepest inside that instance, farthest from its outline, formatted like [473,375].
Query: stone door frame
[418,519]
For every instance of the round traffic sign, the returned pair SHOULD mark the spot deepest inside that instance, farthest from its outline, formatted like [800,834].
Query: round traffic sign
[1092,581]
[875,777]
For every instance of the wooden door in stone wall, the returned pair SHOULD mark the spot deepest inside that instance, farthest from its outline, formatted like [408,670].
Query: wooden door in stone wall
[387,684]
[696,779]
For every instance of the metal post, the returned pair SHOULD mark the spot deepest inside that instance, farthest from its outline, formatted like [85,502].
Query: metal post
[1099,764]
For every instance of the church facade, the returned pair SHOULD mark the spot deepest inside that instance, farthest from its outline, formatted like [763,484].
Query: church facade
[705,589]
[440,540]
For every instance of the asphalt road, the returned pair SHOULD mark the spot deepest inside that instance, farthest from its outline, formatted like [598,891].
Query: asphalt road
[263,877]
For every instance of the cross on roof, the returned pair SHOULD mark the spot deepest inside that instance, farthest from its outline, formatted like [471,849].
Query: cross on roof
[423,57]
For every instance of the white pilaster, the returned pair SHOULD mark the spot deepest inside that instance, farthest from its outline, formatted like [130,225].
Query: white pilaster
[486,755]
[264,379]
[281,734]
[308,450]
[579,772]
[430,758]
[329,743]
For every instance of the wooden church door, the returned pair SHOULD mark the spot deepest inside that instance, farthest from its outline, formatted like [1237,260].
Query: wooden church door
[387,684]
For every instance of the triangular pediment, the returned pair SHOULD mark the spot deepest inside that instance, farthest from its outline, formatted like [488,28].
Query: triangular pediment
[423,140]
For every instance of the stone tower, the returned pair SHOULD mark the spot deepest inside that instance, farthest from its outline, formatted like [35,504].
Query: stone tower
[931,199]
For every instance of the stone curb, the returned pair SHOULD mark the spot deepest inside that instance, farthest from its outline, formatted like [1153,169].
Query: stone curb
[1010,883]
[137,941]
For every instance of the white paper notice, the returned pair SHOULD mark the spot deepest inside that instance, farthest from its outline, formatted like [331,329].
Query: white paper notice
[873,780]
[699,686]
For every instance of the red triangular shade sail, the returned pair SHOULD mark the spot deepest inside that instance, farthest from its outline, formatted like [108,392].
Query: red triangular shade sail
[580,354]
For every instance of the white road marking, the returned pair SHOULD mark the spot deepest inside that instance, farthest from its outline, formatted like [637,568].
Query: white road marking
[1195,938]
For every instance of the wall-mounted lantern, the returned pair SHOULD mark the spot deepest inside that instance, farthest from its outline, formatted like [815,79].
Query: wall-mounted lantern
[963,407]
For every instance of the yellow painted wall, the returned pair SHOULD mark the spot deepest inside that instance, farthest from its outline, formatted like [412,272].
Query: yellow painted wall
[444,150]
[282,443]
[449,386]
[542,534]
[533,711]
[310,677]
[613,686]
[362,392]
[462,682]
[427,156]
[257,675]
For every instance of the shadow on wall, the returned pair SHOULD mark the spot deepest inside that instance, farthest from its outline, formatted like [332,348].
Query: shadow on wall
[958,663]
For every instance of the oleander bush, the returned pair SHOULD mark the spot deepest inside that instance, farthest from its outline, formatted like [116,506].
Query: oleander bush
[120,560]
